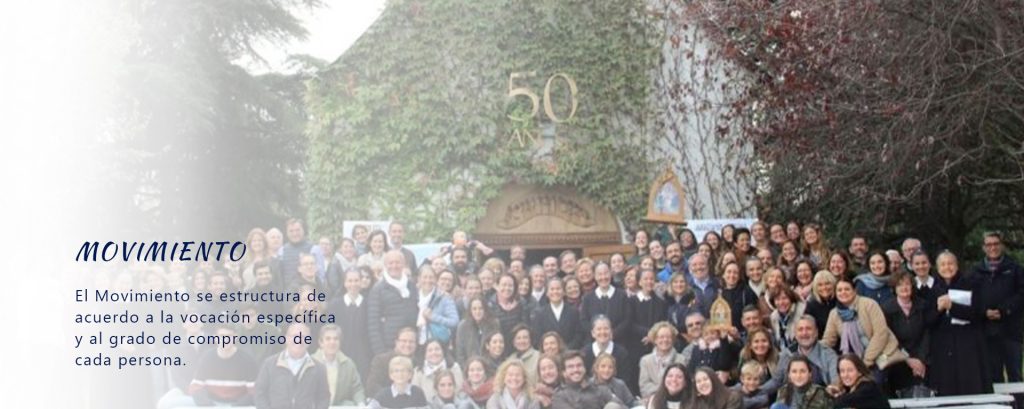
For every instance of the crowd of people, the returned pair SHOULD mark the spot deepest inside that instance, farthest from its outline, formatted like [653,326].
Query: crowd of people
[812,325]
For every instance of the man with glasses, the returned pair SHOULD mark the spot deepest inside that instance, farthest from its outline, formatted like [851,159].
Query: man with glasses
[1001,294]
[909,247]
[577,392]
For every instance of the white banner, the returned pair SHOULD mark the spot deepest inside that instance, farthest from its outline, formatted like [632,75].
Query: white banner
[701,227]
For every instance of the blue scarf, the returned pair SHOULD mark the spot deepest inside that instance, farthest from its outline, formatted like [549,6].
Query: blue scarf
[872,281]
[847,314]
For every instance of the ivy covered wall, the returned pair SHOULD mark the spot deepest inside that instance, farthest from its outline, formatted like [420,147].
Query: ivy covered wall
[415,121]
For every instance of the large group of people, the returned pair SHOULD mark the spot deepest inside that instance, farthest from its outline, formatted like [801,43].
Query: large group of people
[812,325]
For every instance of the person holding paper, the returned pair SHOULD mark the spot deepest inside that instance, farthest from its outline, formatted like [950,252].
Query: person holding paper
[958,363]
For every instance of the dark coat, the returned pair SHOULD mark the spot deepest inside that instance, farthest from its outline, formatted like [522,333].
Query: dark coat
[644,315]
[911,330]
[615,308]
[290,258]
[387,312]
[508,319]
[355,340]
[958,364]
[570,328]
[1002,289]
[820,310]
[867,395]
[277,388]
[738,298]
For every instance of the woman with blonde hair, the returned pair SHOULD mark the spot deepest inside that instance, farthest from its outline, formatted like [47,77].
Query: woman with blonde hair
[760,348]
[258,250]
[653,365]
[604,374]
[512,388]
[822,299]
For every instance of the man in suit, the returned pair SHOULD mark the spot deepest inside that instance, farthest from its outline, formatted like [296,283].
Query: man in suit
[608,301]
[556,316]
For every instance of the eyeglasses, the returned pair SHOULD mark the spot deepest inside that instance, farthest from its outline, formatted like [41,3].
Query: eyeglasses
[694,324]
[993,244]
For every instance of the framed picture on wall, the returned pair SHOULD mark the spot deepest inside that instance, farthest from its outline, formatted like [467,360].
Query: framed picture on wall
[666,201]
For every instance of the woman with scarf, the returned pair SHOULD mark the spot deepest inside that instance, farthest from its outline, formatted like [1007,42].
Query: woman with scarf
[432,363]
[857,325]
[523,351]
[478,386]
[680,301]
[874,284]
[438,317]
[823,299]
[549,379]
[654,364]
[377,246]
[788,308]
[803,279]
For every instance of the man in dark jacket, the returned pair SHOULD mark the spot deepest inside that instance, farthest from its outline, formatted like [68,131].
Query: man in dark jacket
[292,379]
[1001,286]
[297,244]
[391,304]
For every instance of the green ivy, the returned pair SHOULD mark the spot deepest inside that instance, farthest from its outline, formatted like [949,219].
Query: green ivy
[413,119]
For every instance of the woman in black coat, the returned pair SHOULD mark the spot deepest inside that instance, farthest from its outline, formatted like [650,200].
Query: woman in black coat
[647,309]
[957,347]
[350,311]
[736,292]
[508,308]
[822,299]
[905,316]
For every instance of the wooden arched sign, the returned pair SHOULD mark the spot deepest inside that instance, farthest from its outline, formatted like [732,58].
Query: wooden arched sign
[666,202]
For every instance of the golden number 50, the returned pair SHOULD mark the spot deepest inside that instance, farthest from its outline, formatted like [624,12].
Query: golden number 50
[514,91]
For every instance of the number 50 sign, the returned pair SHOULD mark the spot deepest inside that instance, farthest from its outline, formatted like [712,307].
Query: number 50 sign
[535,101]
